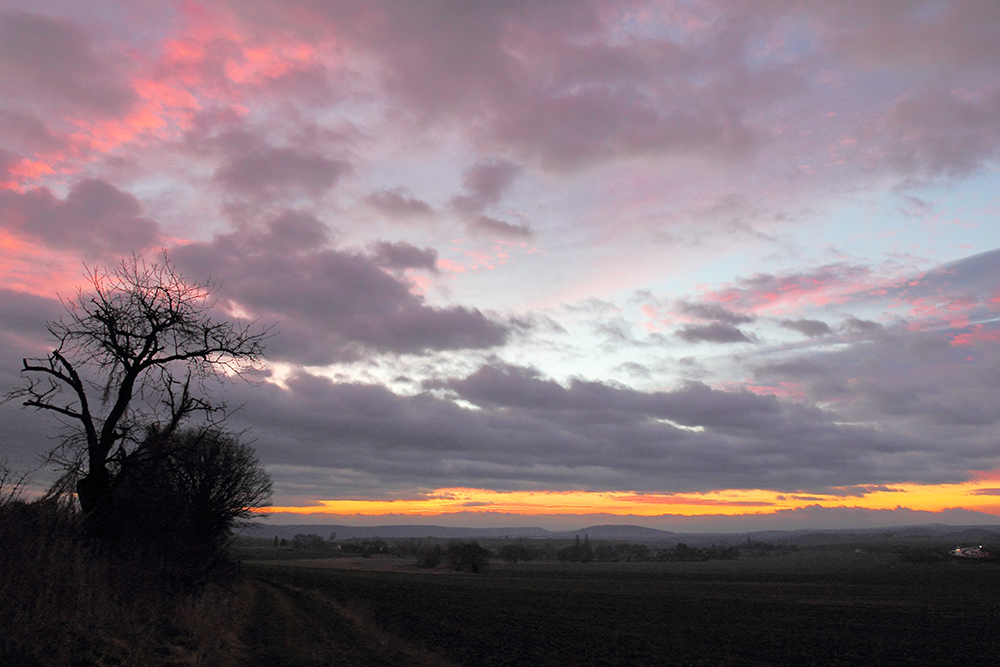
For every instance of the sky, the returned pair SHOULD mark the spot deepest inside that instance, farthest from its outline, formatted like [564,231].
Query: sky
[684,263]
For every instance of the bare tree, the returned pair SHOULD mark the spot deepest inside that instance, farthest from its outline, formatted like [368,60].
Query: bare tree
[127,352]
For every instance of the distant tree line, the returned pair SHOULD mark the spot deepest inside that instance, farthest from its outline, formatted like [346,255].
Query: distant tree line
[519,551]
[474,557]
[578,552]
[581,551]
[311,542]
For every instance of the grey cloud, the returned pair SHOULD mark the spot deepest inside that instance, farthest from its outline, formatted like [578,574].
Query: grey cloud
[796,368]
[51,59]
[265,169]
[616,331]
[7,160]
[315,85]
[985,492]
[914,207]
[941,133]
[695,404]
[294,230]
[485,183]
[950,403]
[713,311]
[636,370]
[935,374]
[949,128]
[810,328]
[596,125]
[334,305]
[975,274]
[486,224]
[400,255]
[938,36]
[22,323]
[530,432]
[26,434]
[95,218]
[552,82]
[971,280]
[823,381]
[715,332]
[860,326]
[537,77]
[26,132]
[395,204]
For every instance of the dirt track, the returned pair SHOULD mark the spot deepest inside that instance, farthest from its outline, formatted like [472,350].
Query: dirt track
[291,627]
[373,564]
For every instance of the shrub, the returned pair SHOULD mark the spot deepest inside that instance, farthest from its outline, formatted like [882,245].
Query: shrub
[430,557]
[517,551]
[468,555]
[179,497]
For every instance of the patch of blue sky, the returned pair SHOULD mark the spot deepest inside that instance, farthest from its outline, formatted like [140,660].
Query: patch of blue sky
[921,227]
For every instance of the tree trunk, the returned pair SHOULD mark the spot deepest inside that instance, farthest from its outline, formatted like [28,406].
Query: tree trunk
[94,493]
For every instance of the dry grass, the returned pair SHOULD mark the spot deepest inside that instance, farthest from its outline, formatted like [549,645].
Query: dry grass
[306,628]
[66,601]
[211,625]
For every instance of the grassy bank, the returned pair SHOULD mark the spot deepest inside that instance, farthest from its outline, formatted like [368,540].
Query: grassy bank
[67,601]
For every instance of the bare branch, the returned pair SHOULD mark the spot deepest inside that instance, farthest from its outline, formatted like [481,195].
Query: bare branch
[129,334]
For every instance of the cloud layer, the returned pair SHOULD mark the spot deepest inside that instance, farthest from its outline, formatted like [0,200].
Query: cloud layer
[579,245]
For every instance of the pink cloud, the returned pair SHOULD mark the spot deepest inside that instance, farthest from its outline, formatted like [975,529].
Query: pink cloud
[948,296]
[213,61]
[775,294]
[977,336]
[790,391]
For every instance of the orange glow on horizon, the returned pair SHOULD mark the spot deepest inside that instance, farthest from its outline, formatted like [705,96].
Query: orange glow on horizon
[981,495]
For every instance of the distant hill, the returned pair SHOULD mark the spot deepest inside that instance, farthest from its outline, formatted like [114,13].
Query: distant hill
[392,532]
[629,533]
[634,533]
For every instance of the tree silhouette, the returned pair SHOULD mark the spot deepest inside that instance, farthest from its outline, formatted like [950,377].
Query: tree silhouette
[127,352]
[468,555]
[580,551]
[182,493]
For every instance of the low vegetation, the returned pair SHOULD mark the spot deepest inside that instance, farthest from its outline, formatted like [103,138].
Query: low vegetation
[122,562]
[71,600]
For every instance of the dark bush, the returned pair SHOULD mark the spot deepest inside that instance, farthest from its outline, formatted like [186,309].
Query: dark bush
[468,555]
[309,542]
[578,552]
[722,553]
[430,557]
[179,497]
[518,551]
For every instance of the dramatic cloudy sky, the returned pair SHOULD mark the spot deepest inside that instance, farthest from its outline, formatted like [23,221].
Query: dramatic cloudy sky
[543,262]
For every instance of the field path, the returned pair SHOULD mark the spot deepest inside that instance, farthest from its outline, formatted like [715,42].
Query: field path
[291,627]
